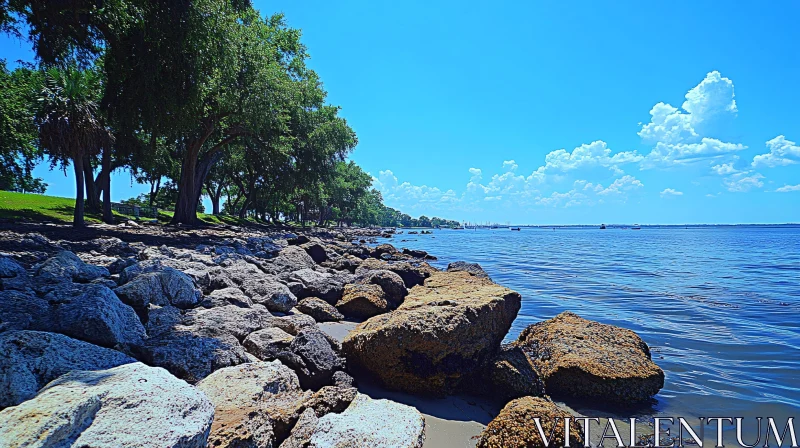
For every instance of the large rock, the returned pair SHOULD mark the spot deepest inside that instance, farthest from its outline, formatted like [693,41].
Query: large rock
[473,268]
[443,331]
[369,423]
[362,301]
[515,426]
[412,272]
[192,353]
[582,358]
[270,293]
[313,356]
[67,266]
[23,311]
[310,283]
[226,296]
[509,375]
[266,344]
[316,250]
[256,404]
[292,258]
[293,323]
[238,321]
[127,406]
[319,309]
[93,313]
[381,249]
[13,276]
[166,287]
[393,287]
[31,359]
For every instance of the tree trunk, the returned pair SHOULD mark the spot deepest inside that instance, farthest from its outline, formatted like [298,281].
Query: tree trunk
[108,218]
[186,206]
[77,219]
[92,197]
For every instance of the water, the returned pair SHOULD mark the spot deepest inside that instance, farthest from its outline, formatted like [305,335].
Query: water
[717,305]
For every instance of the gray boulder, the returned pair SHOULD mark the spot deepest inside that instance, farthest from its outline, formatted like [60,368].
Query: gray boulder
[293,323]
[320,310]
[237,321]
[473,268]
[266,344]
[165,287]
[314,360]
[66,266]
[270,293]
[126,406]
[31,359]
[226,296]
[292,258]
[13,276]
[23,311]
[310,283]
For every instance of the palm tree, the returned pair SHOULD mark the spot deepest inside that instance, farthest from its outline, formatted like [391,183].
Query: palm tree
[70,126]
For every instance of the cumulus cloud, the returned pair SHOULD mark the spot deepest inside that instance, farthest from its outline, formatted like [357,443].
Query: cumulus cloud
[680,135]
[724,169]
[593,154]
[667,192]
[510,165]
[620,186]
[743,182]
[782,152]
[788,188]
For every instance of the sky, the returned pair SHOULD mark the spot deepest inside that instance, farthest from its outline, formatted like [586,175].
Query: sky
[559,112]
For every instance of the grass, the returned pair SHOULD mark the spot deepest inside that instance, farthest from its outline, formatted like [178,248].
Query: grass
[42,208]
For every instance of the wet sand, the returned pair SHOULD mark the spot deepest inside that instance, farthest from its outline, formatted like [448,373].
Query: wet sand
[450,422]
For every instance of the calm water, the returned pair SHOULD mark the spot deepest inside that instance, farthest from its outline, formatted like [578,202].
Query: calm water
[717,305]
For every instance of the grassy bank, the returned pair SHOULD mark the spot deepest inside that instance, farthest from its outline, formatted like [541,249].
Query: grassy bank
[42,208]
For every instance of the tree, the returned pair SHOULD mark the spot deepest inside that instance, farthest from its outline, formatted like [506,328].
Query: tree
[70,126]
[19,150]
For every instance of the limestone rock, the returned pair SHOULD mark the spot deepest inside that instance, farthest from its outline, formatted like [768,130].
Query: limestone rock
[581,358]
[266,344]
[369,423]
[393,287]
[132,405]
[510,375]
[165,287]
[239,322]
[292,258]
[443,332]
[362,301]
[515,427]
[319,309]
[473,268]
[412,272]
[67,266]
[31,359]
[226,296]
[381,249]
[293,323]
[310,283]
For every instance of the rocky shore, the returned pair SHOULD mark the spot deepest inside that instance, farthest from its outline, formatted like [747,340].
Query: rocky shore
[222,337]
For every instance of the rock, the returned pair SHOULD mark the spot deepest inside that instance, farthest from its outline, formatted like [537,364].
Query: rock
[93,313]
[12,275]
[331,399]
[443,332]
[130,405]
[310,283]
[515,427]
[473,268]
[162,319]
[293,323]
[418,254]
[319,309]
[316,251]
[23,311]
[362,301]
[582,358]
[369,423]
[383,249]
[165,287]
[31,359]
[270,293]
[346,263]
[292,258]
[315,359]
[256,404]
[297,240]
[239,322]
[192,353]
[226,296]
[343,379]
[302,431]
[393,287]
[412,272]
[67,266]
[266,344]
[509,375]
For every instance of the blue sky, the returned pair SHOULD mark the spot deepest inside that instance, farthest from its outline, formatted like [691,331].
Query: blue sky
[561,112]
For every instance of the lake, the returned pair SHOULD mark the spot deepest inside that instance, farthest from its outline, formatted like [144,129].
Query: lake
[718,305]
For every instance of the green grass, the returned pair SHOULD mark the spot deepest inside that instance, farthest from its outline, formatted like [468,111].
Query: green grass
[41,208]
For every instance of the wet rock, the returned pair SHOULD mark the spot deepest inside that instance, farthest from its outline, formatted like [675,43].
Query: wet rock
[256,404]
[473,268]
[416,253]
[581,358]
[362,301]
[165,287]
[31,359]
[266,344]
[315,359]
[192,353]
[319,309]
[393,287]
[129,405]
[515,427]
[443,332]
[226,296]
[370,423]
[67,266]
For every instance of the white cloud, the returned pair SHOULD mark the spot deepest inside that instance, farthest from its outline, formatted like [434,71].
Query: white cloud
[788,188]
[670,192]
[724,169]
[509,165]
[782,152]
[679,135]
[593,154]
[621,185]
[741,182]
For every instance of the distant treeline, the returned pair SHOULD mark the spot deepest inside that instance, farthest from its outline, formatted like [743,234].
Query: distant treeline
[199,97]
